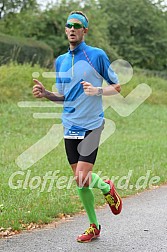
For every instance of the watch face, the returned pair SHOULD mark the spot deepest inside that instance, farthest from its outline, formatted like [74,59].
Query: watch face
[100,91]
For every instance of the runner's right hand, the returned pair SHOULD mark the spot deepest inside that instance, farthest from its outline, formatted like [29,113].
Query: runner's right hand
[38,89]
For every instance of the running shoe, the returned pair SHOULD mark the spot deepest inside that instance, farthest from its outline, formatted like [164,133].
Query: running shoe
[91,233]
[113,199]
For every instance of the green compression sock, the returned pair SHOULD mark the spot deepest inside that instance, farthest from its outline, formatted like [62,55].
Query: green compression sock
[87,198]
[97,182]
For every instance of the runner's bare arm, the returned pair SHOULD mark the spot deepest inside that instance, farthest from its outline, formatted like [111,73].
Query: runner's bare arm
[39,91]
[90,90]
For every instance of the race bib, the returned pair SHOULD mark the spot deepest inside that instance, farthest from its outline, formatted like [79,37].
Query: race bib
[74,134]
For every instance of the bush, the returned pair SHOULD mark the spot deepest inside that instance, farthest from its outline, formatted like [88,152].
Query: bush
[24,50]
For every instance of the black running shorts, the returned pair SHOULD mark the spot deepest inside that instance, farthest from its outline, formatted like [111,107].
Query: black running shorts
[84,149]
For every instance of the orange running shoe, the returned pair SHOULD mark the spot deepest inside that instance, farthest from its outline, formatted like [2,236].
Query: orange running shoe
[91,233]
[113,199]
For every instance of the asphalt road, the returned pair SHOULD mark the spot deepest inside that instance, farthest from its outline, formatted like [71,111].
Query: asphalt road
[141,227]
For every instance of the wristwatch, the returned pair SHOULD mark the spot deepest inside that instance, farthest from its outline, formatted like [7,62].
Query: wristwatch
[99,91]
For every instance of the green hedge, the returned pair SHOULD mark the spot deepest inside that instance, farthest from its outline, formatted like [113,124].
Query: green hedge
[23,50]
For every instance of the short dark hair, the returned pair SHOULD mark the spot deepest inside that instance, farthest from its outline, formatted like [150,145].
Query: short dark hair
[80,13]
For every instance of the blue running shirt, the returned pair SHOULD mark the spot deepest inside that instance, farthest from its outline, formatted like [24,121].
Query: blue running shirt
[83,63]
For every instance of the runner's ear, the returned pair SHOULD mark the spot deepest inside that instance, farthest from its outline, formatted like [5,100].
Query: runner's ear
[86,30]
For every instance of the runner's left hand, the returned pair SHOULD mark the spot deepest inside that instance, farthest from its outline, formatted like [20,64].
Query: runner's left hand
[89,89]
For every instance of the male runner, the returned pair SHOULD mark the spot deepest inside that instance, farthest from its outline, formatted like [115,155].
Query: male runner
[79,77]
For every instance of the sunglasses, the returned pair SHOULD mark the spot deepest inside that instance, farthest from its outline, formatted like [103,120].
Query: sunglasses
[75,25]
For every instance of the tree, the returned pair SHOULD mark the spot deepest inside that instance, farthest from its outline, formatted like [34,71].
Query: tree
[134,30]
[15,6]
[138,30]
